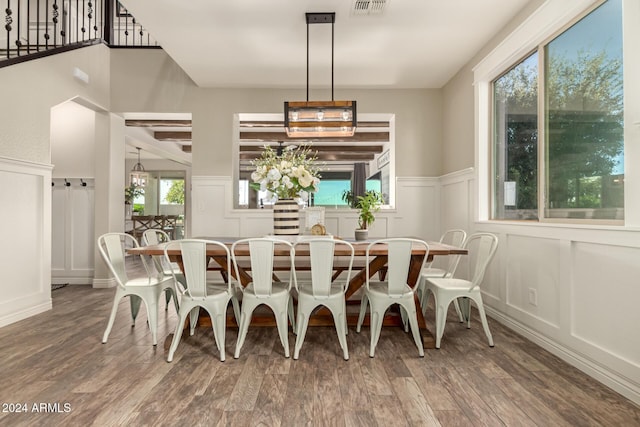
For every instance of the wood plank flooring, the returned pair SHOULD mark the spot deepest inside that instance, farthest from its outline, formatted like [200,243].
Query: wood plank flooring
[57,358]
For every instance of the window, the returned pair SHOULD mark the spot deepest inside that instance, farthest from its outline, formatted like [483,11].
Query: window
[515,132]
[373,145]
[332,185]
[172,191]
[580,121]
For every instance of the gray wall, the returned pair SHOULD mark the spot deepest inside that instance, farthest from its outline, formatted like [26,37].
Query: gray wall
[158,85]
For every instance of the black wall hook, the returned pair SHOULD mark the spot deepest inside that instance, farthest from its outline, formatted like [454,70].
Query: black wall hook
[67,183]
[84,184]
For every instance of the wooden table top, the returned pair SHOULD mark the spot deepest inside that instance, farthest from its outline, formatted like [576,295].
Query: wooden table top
[435,248]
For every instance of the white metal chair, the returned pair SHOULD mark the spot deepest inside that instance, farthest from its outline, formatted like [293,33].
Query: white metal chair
[154,236]
[481,247]
[442,266]
[148,289]
[322,291]
[263,289]
[394,290]
[214,297]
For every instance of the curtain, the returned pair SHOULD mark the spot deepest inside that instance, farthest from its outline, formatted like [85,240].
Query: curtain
[359,183]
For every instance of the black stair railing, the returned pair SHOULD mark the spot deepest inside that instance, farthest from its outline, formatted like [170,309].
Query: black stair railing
[36,28]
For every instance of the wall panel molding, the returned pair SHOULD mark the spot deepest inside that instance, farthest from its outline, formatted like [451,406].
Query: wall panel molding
[585,279]
[25,204]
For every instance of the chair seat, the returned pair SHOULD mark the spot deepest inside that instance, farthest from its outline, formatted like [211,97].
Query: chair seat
[433,272]
[214,289]
[277,289]
[381,288]
[450,283]
[147,281]
[305,288]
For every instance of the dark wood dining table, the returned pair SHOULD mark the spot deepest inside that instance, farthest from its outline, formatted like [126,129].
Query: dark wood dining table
[377,265]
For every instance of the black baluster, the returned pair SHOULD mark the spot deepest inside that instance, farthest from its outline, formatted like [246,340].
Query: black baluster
[119,24]
[8,20]
[84,28]
[126,27]
[46,32]
[18,42]
[90,16]
[28,30]
[54,18]
[38,26]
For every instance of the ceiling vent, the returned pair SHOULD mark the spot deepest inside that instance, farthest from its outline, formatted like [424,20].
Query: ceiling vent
[368,7]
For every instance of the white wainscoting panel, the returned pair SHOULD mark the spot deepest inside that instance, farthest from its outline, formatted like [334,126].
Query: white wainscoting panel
[211,199]
[604,299]
[416,213]
[585,280]
[25,210]
[456,197]
[533,288]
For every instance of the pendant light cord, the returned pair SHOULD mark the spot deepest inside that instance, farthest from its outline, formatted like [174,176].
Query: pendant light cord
[307,60]
[332,26]
[332,46]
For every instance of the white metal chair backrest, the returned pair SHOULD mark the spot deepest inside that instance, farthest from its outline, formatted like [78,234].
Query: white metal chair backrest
[484,246]
[398,262]
[261,253]
[112,248]
[154,236]
[455,237]
[194,263]
[321,253]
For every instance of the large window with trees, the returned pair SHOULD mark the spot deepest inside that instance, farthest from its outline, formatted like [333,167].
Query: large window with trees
[558,126]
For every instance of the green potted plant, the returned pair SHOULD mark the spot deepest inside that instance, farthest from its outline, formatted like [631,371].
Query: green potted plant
[367,205]
[130,193]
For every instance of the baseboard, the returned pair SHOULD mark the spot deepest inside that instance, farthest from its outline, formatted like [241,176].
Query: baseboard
[104,283]
[21,315]
[72,280]
[611,379]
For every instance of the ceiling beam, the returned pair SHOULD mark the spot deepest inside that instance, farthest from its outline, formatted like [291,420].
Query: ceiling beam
[320,148]
[280,124]
[158,123]
[172,136]
[282,136]
[326,156]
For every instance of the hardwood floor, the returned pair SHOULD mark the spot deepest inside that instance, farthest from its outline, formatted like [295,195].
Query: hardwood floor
[57,358]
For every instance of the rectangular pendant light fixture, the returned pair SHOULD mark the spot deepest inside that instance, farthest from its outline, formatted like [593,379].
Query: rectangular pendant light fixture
[320,119]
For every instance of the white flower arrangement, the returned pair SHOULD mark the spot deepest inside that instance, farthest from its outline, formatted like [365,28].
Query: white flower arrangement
[289,175]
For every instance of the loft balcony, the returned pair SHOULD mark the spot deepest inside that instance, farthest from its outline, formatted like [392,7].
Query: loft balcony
[37,28]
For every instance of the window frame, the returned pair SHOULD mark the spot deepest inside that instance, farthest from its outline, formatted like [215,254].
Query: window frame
[545,24]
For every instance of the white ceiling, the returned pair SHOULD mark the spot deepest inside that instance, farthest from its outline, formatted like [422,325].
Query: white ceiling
[262,43]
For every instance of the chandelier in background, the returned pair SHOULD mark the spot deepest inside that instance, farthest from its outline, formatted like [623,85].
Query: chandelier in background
[138,175]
